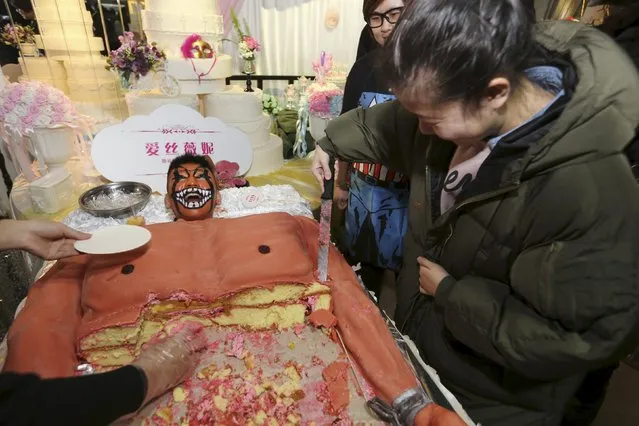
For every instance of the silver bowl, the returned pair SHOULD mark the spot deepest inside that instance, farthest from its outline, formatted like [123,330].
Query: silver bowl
[116,200]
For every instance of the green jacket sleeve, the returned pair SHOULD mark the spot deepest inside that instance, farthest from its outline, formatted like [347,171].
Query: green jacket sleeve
[383,134]
[572,303]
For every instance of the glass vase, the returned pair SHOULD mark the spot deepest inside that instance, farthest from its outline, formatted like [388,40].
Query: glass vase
[128,81]
[248,66]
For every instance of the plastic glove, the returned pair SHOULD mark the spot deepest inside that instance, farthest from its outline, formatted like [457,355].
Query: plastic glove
[170,361]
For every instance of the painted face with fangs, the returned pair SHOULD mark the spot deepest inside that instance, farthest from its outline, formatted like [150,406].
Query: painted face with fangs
[192,190]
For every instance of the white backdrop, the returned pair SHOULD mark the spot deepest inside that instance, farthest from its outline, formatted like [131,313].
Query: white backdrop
[293,33]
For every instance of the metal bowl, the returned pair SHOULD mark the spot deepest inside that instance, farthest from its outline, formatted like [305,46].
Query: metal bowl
[116,200]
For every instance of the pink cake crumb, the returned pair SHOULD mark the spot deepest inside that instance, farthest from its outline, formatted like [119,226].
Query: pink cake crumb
[312,302]
[237,345]
[298,329]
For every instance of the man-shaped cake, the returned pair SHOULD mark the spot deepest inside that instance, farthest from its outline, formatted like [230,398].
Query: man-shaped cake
[274,333]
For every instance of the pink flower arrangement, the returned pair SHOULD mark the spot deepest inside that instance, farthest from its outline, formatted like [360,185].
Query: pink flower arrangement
[227,175]
[25,106]
[247,45]
[325,102]
[323,65]
[251,43]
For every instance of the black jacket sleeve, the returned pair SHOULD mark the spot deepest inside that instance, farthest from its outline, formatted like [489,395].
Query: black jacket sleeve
[93,400]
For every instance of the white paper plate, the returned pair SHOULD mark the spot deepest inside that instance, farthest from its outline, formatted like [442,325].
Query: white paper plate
[114,239]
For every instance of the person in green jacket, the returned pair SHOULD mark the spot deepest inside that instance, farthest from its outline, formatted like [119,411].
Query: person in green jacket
[521,261]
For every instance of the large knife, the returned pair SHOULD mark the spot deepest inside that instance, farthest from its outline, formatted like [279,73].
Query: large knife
[325,224]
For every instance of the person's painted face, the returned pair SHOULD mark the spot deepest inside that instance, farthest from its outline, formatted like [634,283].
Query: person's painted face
[383,19]
[191,192]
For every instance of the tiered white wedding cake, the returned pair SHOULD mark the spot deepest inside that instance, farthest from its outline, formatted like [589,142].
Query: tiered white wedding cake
[243,110]
[66,35]
[169,22]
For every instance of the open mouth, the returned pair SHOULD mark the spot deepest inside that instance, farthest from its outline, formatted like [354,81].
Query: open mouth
[193,198]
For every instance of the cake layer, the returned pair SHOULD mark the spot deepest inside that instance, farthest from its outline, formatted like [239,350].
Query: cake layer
[169,6]
[226,311]
[120,345]
[89,67]
[69,29]
[267,158]
[66,11]
[258,131]
[59,45]
[200,76]
[92,90]
[43,67]
[146,103]
[113,110]
[234,105]
[178,21]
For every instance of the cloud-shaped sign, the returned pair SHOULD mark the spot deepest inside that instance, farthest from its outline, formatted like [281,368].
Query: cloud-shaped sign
[141,148]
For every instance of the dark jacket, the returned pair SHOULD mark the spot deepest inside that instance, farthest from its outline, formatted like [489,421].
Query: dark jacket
[542,248]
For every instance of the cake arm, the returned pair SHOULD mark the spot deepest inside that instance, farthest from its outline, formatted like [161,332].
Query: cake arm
[42,339]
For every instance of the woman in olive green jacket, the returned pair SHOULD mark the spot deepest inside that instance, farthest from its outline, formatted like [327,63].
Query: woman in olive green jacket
[521,264]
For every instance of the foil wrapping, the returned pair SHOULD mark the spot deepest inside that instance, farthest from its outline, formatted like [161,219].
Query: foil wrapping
[235,202]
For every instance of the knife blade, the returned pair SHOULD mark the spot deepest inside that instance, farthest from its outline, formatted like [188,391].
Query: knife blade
[325,224]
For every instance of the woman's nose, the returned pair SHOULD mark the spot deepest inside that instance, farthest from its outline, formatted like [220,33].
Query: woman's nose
[386,26]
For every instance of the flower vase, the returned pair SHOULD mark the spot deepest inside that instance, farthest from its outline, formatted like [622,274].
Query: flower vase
[248,68]
[128,81]
[28,49]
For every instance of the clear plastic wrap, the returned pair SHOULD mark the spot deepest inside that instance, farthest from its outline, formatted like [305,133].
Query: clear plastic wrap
[428,378]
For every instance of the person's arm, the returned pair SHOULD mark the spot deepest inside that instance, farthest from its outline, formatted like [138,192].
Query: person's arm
[100,399]
[46,239]
[572,302]
[384,134]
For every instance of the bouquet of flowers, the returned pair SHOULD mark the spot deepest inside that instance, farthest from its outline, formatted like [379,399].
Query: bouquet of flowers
[135,58]
[247,45]
[270,104]
[326,103]
[14,35]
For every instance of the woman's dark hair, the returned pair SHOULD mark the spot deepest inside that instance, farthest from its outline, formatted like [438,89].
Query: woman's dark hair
[451,49]
[369,7]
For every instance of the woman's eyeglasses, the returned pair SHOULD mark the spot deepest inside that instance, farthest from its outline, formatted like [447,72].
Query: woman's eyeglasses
[376,20]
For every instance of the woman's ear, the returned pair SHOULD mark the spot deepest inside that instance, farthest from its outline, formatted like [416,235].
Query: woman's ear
[497,93]
[167,202]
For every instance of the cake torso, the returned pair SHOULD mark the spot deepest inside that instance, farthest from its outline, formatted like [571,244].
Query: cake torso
[272,352]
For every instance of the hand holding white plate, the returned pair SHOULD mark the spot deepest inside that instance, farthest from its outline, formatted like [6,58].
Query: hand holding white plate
[114,239]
